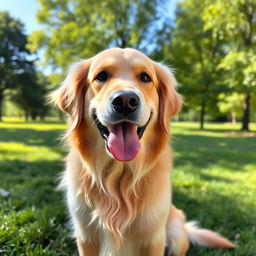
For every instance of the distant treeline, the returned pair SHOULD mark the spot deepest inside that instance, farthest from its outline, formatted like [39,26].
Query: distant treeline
[211,45]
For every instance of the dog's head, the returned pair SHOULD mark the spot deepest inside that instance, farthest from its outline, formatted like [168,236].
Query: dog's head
[123,93]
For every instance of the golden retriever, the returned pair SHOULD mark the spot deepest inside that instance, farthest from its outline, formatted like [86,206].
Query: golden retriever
[117,172]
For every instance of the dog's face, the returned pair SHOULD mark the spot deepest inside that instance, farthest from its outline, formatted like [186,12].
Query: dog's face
[125,87]
[122,92]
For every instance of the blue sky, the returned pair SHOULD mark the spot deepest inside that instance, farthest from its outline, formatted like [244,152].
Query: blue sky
[26,10]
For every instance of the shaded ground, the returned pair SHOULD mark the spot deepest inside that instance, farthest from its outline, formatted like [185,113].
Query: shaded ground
[214,181]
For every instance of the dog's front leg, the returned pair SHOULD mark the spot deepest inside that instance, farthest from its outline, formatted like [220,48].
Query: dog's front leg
[87,249]
[155,247]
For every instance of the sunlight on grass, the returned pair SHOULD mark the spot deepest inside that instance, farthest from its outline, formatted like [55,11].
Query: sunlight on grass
[30,141]
[17,123]
[214,179]
[211,129]
[21,151]
[33,219]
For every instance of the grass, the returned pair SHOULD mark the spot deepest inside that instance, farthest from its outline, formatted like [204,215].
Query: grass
[214,181]
[32,219]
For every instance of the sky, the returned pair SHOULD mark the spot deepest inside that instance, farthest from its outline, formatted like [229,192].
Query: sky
[25,10]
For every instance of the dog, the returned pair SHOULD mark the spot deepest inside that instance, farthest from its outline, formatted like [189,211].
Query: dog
[117,179]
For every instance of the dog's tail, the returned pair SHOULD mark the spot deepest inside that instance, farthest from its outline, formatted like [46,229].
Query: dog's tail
[180,233]
[205,237]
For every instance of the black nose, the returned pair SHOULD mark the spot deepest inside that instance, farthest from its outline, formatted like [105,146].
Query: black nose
[125,102]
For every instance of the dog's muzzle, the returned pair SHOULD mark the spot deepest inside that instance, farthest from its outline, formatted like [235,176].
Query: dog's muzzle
[122,132]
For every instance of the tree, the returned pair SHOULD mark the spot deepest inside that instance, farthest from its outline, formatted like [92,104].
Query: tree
[195,53]
[80,28]
[231,104]
[30,94]
[13,54]
[236,21]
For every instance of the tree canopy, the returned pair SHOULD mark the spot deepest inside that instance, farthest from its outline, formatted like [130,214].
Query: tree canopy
[18,78]
[235,20]
[30,94]
[13,53]
[210,44]
[212,47]
[81,28]
[195,53]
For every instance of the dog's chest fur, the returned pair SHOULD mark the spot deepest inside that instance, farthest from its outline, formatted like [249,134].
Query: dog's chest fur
[108,205]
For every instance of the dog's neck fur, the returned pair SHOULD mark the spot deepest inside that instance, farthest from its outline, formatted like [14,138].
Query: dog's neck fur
[113,195]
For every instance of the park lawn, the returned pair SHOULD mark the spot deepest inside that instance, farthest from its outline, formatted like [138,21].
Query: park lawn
[214,181]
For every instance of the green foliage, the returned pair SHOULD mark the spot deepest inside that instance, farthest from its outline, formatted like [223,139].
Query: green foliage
[213,183]
[241,67]
[230,19]
[13,53]
[31,93]
[79,29]
[231,104]
[212,48]
[195,54]
[12,45]
[235,20]
[10,109]
[18,77]
[33,219]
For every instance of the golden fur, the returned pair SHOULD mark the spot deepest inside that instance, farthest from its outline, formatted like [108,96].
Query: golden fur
[123,208]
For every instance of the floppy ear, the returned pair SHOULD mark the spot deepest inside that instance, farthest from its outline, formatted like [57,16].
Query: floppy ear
[170,101]
[70,96]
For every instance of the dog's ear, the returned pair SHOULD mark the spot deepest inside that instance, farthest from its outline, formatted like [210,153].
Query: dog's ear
[70,96]
[170,101]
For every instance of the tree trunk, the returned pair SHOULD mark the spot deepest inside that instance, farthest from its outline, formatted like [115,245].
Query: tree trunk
[124,43]
[246,114]
[1,104]
[202,114]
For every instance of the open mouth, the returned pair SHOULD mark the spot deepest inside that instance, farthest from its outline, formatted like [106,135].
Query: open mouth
[122,139]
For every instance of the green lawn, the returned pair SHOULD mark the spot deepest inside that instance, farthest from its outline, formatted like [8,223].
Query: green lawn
[214,180]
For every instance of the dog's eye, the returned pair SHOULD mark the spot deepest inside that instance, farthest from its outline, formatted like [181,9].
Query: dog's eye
[102,76]
[144,77]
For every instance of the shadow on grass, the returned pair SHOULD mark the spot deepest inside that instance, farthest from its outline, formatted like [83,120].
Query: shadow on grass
[216,128]
[230,215]
[32,137]
[32,183]
[222,214]
[202,151]
[33,219]
[35,180]
[230,132]
[23,121]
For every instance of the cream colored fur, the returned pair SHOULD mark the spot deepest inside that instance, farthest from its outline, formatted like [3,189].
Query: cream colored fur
[123,208]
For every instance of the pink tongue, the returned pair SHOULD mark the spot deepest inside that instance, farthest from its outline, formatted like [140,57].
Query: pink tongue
[123,141]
